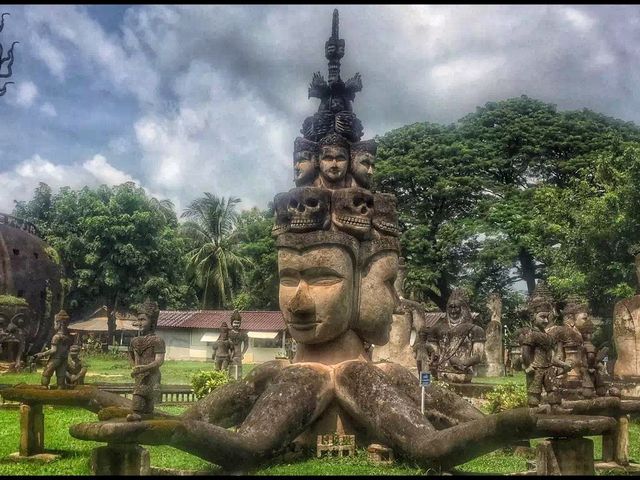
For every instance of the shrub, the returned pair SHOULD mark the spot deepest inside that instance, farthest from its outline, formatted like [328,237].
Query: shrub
[506,397]
[10,300]
[204,382]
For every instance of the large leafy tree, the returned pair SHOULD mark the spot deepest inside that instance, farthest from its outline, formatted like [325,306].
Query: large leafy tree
[438,184]
[260,282]
[117,245]
[214,261]
[472,195]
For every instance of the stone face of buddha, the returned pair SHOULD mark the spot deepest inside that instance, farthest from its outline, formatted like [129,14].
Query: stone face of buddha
[316,292]
[378,298]
[362,164]
[334,162]
[454,312]
[304,167]
[541,319]
[143,322]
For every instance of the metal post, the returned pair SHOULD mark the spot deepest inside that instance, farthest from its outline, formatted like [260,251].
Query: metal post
[236,375]
[422,403]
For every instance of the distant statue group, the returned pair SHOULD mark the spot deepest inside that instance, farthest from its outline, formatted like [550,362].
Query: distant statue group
[231,346]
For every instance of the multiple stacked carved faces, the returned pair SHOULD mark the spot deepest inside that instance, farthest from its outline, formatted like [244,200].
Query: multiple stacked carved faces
[334,162]
[338,246]
[333,178]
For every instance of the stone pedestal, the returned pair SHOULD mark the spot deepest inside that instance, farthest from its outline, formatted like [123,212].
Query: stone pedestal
[615,445]
[127,459]
[31,430]
[565,456]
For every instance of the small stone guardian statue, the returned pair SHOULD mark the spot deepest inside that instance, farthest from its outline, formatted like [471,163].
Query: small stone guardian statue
[76,371]
[58,353]
[240,341]
[147,354]
[538,357]
[223,348]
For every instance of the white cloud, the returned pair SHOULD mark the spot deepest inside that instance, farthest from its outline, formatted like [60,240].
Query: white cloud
[579,20]
[220,92]
[26,93]
[19,183]
[48,109]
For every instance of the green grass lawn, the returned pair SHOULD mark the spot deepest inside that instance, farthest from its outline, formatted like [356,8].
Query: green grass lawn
[75,454]
[518,377]
[116,369]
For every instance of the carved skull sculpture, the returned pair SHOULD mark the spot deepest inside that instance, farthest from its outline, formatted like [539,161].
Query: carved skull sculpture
[385,215]
[309,209]
[283,216]
[352,210]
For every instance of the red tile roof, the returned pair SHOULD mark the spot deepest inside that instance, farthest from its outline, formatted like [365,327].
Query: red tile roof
[258,321]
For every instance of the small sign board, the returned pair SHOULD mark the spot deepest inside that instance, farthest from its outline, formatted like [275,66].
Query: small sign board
[425,378]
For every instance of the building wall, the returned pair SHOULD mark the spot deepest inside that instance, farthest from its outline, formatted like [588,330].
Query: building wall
[185,344]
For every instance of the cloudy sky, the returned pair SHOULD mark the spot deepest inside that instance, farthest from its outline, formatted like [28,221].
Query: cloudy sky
[185,100]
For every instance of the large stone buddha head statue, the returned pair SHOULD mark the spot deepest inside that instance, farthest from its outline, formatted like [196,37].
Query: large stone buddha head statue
[337,271]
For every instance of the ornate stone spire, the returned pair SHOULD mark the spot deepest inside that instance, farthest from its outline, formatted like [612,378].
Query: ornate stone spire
[335,114]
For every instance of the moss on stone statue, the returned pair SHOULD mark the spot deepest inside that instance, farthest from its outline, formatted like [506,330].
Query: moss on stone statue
[10,300]
[53,254]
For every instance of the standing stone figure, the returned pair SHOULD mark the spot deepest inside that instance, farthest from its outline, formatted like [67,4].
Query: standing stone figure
[424,351]
[594,371]
[147,355]
[626,334]
[538,348]
[568,340]
[240,344]
[493,347]
[223,348]
[459,343]
[58,353]
[75,370]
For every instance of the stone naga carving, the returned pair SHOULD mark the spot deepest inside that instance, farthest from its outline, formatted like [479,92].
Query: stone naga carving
[6,61]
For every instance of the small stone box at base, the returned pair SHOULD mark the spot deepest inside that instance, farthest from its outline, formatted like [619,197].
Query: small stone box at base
[380,454]
[120,460]
[336,445]
[565,456]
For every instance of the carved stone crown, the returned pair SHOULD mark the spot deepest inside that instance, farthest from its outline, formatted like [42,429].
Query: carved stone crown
[62,316]
[575,304]
[328,197]
[335,111]
[541,299]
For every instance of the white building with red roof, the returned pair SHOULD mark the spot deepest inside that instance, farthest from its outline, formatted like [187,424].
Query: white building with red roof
[190,335]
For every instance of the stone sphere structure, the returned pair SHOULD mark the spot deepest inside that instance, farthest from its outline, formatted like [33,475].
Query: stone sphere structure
[27,270]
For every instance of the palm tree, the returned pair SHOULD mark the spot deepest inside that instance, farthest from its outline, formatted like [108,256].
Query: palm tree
[214,262]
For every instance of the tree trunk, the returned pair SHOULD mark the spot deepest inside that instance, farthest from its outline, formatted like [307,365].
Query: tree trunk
[111,321]
[527,269]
